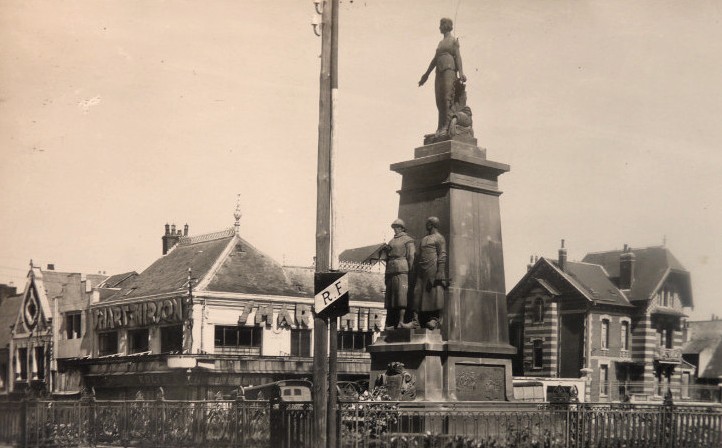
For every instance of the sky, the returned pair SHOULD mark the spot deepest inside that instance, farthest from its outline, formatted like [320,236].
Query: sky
[117,117]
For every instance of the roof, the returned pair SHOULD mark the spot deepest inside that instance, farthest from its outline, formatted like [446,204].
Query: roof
[247,270]
[115,281]
[170,272]
[363,254]
[225,262]
[594,280]
[9,309]
[706,336]
[586,280]
[652,266]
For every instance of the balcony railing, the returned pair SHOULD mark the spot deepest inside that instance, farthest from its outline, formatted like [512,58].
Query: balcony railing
[668,354]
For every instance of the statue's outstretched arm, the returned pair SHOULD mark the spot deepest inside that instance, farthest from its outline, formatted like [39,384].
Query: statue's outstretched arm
[426,74]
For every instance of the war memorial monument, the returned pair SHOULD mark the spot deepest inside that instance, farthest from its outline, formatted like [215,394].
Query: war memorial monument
[448,338]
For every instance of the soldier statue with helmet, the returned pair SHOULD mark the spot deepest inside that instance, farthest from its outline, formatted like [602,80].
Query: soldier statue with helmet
[399,255]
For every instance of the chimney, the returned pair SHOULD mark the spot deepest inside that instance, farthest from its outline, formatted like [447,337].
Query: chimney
[531,263]
[562,258]
[185,230]
[170,238]
[51,267]
[626,268]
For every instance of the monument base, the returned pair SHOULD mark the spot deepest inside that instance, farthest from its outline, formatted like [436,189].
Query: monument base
[445,370]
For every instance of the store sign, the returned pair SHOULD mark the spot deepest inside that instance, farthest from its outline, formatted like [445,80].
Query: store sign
[143,314]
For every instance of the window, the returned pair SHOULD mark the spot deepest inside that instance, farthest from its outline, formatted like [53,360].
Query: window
[107,343]
[300,342]
[604,380]
[539,310]
[625,335]
[685,384]
[23,360]
[3,376]
[72,326]
[39,373]
[138,341]
[354,340]
[238,340]
[605,334]
[537,354]
[171,339]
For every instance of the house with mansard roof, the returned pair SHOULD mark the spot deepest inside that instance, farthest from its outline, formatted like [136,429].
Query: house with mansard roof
[214,313]
[616,318]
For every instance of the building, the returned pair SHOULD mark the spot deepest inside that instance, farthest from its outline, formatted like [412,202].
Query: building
[44,325]
[616,318]
[703,349]
[8,313]
[214,313]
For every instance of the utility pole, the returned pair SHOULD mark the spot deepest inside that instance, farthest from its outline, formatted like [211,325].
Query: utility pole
[323,225]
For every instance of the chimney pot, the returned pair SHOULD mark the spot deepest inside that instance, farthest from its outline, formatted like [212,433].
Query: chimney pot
[626,268]
[172,229]
[562,257]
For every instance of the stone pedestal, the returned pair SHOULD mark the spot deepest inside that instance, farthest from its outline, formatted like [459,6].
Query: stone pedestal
[471,357]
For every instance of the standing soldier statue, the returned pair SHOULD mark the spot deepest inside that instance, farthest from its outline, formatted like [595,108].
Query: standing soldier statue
[399,254]
[431,281]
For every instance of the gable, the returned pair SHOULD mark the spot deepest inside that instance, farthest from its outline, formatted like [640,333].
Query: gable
[34,312]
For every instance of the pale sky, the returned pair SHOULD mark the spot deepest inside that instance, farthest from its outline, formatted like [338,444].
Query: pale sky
[119,116]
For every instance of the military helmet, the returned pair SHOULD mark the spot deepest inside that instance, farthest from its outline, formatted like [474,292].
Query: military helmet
[398,223]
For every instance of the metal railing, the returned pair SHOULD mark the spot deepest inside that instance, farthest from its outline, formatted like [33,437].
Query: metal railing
[158,423]
[361,424]
[399,424]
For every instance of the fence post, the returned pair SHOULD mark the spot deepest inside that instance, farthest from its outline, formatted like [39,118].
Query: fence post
[241,417]
[24,422]
[668,420]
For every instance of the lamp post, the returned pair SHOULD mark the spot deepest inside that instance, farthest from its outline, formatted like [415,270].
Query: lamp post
[324,378]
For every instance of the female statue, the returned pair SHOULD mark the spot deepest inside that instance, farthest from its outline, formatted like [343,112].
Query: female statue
[447,62]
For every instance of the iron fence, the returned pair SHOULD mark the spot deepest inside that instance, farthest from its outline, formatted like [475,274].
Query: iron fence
[157,423]
[399,424]
[362,424]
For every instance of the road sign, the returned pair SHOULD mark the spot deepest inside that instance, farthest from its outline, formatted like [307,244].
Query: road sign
[331,299]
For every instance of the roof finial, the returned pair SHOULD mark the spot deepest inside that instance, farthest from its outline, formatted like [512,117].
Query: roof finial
[237,214]
[31,263]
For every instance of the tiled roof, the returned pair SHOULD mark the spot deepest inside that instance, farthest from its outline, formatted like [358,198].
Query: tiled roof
[225,262]
[651,266]
[706,336]
[595,282]
[170,272]
[363,254]
[583,279]
[8,313]
[248,270]
[116,281]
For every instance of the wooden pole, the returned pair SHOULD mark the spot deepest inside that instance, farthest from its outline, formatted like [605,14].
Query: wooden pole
[333,330]
[323,227]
